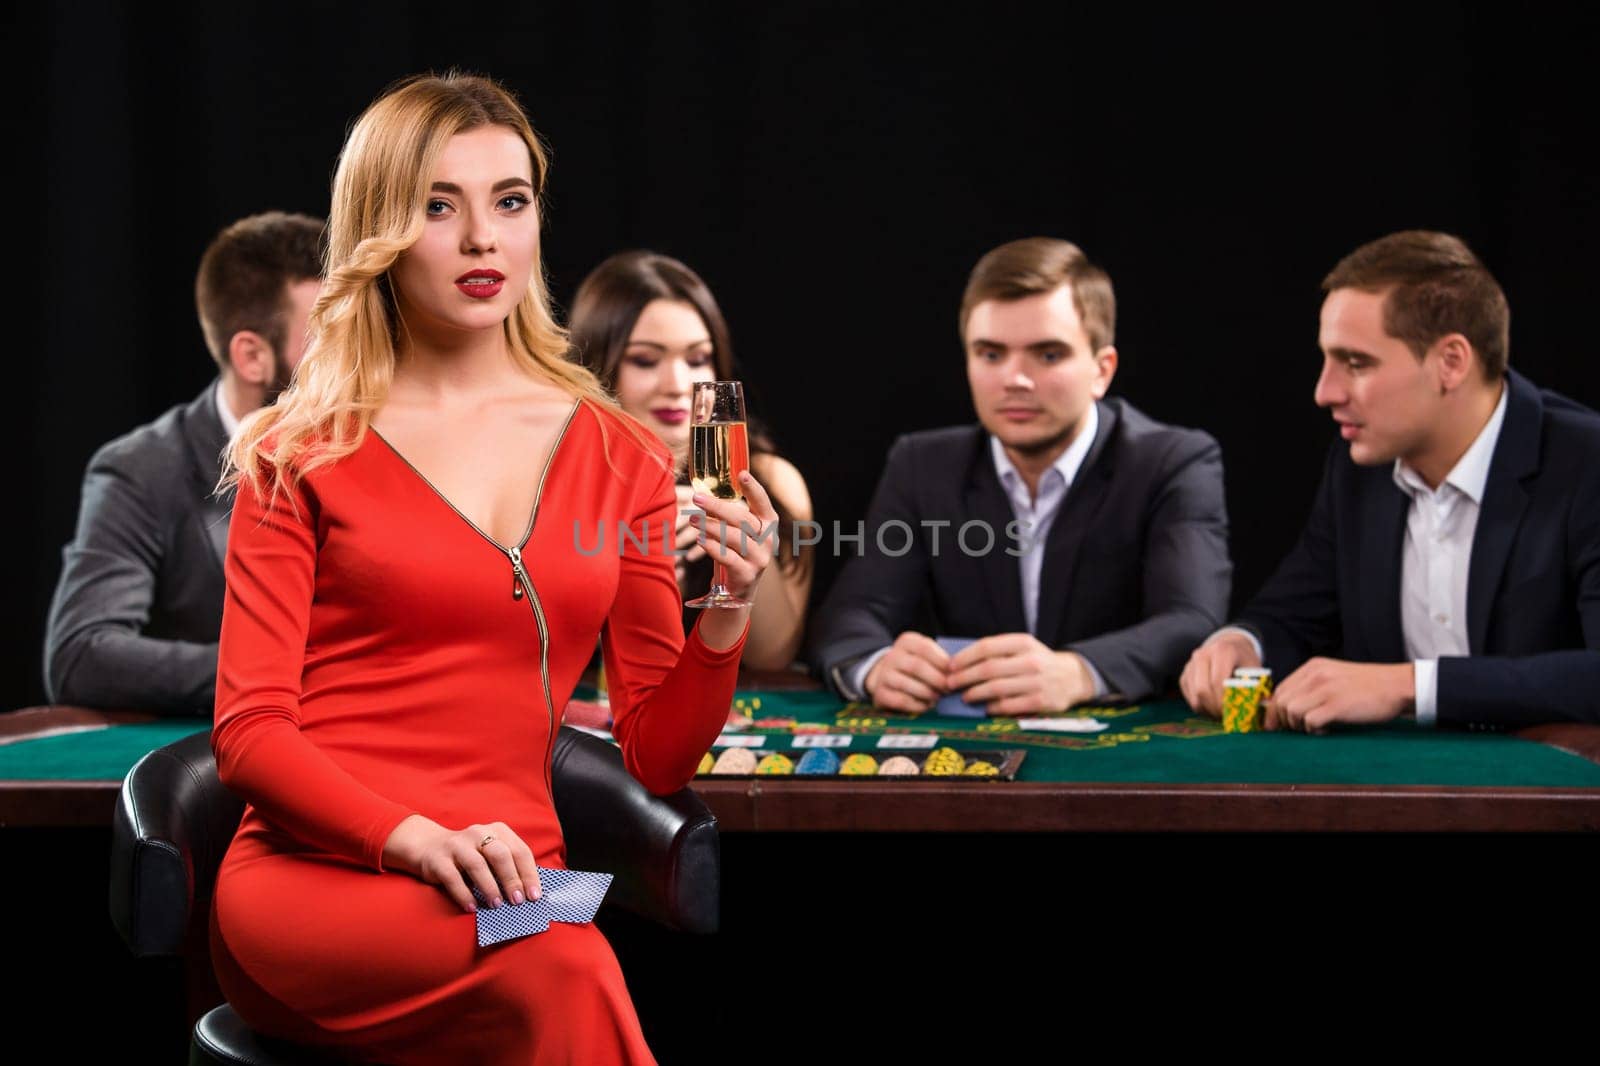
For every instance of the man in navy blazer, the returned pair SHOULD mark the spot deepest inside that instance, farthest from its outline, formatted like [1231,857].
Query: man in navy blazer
[1450,567]
[1081,545]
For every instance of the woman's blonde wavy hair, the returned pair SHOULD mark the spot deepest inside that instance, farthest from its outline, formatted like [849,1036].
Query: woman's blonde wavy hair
[379,192]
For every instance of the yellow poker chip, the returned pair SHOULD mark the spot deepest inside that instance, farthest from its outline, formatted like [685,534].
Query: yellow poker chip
[944,762]
[1241,705]
[1259,674]
[775,762]
[810,727]
[979,768]
[860,764]
[706,763]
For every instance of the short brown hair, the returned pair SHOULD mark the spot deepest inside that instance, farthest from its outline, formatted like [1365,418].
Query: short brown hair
[1436,287]
[245,274]
[1036,265]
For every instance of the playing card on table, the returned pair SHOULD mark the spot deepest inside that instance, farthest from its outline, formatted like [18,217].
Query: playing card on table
[564,896]
[1062,725]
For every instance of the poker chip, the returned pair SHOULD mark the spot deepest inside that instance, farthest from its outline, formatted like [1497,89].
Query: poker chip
[735,761]
[979,768]
[818,761]
[706,763]
[1241,705]
[776,762]
[897,765]
[944,762]
[810,727]
[859,764]
[1258,674]
[773,723]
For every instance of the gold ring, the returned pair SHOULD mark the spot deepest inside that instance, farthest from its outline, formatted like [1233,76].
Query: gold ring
[485,840]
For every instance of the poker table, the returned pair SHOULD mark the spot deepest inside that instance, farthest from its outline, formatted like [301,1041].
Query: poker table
[1154,767]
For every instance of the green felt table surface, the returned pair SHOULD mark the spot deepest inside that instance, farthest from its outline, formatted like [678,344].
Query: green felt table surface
[92,755]
[1156,742]
[1165,742]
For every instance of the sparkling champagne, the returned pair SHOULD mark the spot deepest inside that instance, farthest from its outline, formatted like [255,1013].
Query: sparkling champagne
[718,453]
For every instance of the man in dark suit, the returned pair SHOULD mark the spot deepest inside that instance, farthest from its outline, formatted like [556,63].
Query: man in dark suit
[1451,561]
[136,614]
[1083,543]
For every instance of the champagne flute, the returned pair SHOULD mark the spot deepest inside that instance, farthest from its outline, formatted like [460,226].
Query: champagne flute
[719,452]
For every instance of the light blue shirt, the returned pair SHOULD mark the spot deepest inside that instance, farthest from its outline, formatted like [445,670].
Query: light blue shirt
[1038,513]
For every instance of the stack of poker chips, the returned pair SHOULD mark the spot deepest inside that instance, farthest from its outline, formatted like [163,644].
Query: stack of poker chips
[859,764]
[818,761]
[821,762]
[944,762]
[775,763]
[1242,697]
[735,761]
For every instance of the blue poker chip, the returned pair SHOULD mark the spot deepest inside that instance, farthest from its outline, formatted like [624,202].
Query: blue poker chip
[818,761]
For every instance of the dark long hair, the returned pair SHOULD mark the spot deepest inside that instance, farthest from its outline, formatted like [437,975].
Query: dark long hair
[607,307]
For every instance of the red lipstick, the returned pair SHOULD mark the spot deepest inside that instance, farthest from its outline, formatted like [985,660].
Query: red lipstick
[481,284]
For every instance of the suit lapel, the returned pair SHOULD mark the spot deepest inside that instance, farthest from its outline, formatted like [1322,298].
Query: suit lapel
[984,500]
[203,432]
[1505,498]
[1088,491]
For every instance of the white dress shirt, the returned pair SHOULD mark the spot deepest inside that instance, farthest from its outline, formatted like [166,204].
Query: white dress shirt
[1036,514]
[1440,525]
[230,421]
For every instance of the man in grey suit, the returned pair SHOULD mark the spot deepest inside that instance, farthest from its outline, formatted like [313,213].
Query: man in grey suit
[136,614]
[1081,542]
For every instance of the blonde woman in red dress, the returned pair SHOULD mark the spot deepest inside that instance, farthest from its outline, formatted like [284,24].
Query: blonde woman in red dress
[406,608]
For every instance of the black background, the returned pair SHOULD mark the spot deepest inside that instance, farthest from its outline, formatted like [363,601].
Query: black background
[833,171]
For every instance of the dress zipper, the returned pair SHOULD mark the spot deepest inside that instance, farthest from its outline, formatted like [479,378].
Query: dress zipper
[521,582]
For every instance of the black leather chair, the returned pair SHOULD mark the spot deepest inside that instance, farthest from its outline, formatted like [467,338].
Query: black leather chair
[174,821]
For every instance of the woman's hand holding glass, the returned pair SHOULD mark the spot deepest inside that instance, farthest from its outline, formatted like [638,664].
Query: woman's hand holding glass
[719,467]
[739,534]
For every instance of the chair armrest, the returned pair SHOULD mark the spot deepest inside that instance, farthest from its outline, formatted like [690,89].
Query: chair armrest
[663,851]
[173,824]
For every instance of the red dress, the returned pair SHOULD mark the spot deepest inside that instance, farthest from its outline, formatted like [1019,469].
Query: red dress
[375,663]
